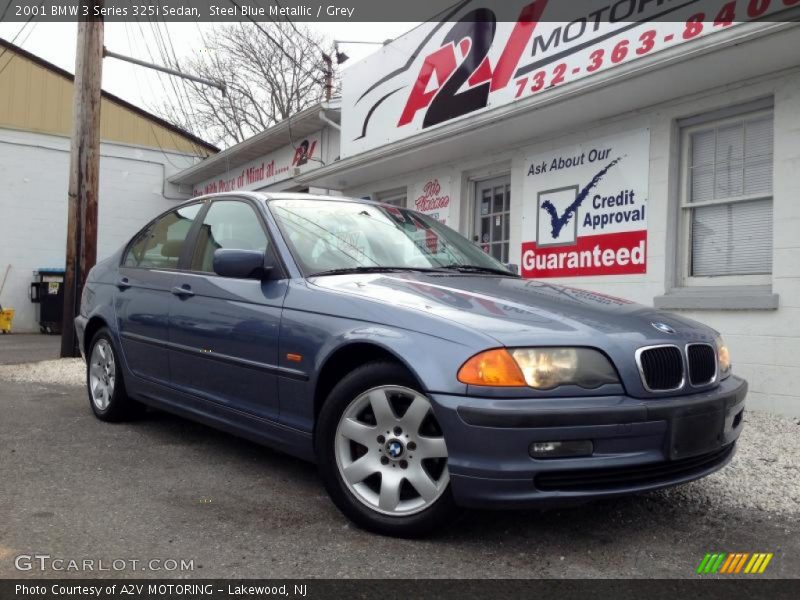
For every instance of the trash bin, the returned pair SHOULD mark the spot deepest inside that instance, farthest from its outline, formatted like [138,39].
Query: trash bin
[47,290]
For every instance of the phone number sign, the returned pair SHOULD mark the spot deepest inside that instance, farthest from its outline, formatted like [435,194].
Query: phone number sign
[474,60]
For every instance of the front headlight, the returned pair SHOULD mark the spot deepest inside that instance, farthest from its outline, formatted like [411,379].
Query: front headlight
[539,368]
[723,358]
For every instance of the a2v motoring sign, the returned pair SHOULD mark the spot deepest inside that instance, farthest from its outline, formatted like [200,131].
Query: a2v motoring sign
[585,209]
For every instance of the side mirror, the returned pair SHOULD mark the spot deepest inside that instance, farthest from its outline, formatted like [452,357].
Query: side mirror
[513,268]
[241,264]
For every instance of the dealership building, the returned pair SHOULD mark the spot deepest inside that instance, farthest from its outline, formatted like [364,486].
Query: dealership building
[654,162]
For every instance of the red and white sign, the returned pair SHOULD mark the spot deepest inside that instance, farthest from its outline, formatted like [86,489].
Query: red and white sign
[271,168]
[472,60]
[585,209]
[432,198]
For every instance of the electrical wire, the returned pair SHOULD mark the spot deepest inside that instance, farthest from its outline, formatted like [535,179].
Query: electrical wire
[5,10]
[16,35]
[278,45]
[14,54]
[198,151]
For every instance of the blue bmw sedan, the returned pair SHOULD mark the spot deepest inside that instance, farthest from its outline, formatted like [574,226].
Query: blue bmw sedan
[419,373]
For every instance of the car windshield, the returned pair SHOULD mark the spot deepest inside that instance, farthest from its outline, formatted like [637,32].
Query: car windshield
[331,236]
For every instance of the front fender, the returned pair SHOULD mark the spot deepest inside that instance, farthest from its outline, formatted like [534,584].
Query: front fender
[432,360]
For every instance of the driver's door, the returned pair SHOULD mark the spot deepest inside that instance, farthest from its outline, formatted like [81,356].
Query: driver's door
[224,331]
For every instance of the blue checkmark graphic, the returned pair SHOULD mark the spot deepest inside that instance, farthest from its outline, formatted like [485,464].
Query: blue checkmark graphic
[558,222]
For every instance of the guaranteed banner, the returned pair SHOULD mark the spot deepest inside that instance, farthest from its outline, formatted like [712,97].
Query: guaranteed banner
[585,209]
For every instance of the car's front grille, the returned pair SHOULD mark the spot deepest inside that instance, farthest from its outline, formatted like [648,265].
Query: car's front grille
[613,478]
[661,367]
[702,360]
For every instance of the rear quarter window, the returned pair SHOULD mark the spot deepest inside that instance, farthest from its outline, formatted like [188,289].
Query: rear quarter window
[160,244]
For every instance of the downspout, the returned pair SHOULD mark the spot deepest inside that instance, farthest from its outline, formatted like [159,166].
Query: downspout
[325,119]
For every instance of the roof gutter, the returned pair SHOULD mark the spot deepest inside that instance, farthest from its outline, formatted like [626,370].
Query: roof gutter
[328,121]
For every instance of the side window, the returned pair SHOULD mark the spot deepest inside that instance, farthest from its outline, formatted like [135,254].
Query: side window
[228,224]
[159,246]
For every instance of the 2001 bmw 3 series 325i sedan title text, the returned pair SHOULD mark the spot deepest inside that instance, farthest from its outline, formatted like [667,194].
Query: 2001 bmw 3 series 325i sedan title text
[419,373]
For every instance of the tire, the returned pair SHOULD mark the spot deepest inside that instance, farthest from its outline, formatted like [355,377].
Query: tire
[104,382]
[384,453]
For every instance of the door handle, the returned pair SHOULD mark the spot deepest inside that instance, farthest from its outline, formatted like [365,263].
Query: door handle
[123,283]
[183,291]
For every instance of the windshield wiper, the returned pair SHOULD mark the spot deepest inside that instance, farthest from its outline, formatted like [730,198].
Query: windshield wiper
[477,269]
[399,269]
[348,270]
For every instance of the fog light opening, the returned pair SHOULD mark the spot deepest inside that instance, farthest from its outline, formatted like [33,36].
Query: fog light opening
[561,449]
[738,419]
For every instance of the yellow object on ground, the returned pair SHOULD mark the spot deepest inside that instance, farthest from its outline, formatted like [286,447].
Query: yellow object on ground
[6,319]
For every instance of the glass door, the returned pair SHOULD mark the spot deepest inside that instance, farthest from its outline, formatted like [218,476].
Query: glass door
[492,210]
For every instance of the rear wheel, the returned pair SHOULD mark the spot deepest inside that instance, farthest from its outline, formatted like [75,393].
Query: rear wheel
[382,455]
[107,395]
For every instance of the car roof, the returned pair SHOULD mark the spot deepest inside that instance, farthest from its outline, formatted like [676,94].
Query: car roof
[267,196]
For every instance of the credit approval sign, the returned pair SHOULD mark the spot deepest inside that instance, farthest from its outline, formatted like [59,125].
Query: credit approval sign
[585,208]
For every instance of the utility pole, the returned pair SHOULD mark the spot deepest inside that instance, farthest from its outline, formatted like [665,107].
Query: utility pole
[84,171]
[328,76]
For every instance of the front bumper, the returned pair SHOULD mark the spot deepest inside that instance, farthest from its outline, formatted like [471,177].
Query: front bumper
[638,444]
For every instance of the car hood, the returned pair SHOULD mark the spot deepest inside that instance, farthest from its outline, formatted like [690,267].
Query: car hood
[518,312]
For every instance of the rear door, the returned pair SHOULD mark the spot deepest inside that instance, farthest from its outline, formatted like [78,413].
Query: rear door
[224,331]
[142,299]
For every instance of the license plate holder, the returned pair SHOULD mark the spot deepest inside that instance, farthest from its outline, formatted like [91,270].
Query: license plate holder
[696,434]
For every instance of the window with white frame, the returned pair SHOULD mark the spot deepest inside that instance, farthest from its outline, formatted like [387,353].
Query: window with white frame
[726,201]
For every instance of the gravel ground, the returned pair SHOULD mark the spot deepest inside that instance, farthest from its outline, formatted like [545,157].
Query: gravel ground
[763,475]
[67,371]
[164,487]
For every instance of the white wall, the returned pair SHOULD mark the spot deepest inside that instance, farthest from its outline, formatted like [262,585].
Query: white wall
[33,205]
[765,344]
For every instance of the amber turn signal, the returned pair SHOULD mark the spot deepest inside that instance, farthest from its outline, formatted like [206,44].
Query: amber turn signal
[492,367]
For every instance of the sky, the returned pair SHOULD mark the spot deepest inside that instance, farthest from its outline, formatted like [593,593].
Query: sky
[55,42]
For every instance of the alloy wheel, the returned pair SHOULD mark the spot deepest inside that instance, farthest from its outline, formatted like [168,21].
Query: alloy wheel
[102,374]
[390,451]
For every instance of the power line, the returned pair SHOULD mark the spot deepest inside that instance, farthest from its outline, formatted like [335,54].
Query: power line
[278,44]
[191,122]
[14,55]
[14,39]
[5,10]
[198,151]
[165,58]
[177,65]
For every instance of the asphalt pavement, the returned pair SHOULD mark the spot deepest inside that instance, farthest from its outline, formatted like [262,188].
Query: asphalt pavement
[75,488]
[18,348]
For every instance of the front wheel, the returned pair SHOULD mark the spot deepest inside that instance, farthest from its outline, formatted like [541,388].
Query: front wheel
[382,455]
